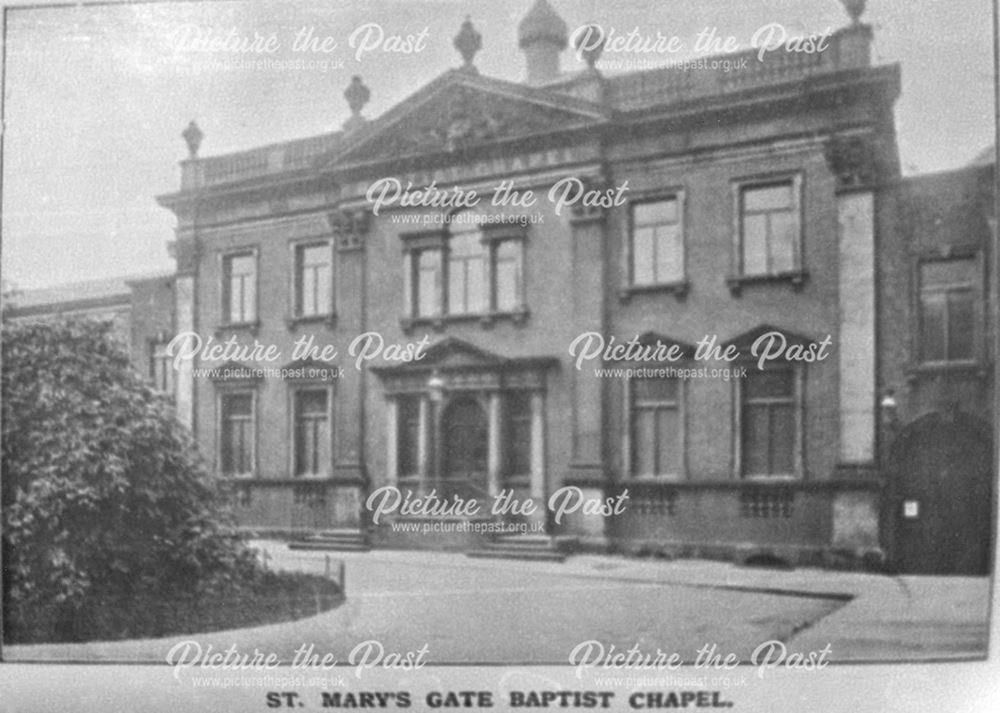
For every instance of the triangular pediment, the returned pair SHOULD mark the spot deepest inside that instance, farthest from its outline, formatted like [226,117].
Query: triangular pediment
[655,340]
[309,370]
[743,342]
[453,353]
[235,372]
[460,111]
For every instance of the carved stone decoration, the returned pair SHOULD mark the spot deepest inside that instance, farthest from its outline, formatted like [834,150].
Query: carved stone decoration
[580,213]
[192,136]
[350,227]
[854,160]
[468,42]
[357,95]
[460,118]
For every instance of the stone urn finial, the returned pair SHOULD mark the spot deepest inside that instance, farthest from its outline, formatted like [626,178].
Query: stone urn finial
[468,42]
[357,95]
[855,9]
[192,136]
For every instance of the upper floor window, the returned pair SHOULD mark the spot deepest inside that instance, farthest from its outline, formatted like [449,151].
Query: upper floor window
[769,424]
[507,256]
[428,281]
[239,288]
[949,297]
[464,271]
[236,437]
[657,254]
[769,231]
[161,370]
[313,281]
[657,427]
[312,437]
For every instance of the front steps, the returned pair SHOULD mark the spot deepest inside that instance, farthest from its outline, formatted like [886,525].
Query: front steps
[336,540]
[539,548]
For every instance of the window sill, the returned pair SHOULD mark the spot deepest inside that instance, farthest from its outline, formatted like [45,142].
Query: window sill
[678,289]
[666,479]
[328,320]
[486,320]
[764,478]
[252,327]
[978,369]
[796,278]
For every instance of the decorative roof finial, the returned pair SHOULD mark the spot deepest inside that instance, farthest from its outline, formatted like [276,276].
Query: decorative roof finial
[192,136]
[468,42]
[542,23]
[357,95]
[588,41]
[855,9]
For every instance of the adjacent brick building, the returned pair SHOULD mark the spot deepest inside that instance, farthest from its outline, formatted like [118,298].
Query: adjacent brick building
[140,307]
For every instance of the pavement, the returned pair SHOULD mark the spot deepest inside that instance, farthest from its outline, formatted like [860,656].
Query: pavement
[466,610]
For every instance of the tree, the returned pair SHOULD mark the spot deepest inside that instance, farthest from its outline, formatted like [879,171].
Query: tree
[105,503]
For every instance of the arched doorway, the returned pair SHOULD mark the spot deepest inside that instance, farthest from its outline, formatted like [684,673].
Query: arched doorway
[940,496]
[464,448]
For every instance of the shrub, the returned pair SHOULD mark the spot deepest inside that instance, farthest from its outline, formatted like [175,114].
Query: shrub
[106,506]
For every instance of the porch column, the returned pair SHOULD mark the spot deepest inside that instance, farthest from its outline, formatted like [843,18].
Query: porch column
[537,445]
[493,454]
[424,442]
[392,439]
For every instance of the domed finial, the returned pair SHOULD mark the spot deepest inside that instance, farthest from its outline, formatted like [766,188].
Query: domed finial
[542,35]
[588,41]
[357,95]
[468,41]
[855,9]
[542,23]
[192,136]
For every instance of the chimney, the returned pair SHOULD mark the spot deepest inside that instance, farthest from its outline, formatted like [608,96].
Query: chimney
[542,34]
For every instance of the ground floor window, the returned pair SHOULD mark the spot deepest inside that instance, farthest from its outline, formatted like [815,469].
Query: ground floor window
[408,435]
[769,426]
[657,428]
[236,443]
[312,432]
[517,443]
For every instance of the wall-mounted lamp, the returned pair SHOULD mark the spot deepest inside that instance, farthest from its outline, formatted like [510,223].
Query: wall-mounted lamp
[435,387]
[889,408]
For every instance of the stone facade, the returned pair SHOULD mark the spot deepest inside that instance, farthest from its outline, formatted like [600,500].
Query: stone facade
[498,402]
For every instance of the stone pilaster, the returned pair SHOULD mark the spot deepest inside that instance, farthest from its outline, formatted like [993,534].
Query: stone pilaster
[350,228]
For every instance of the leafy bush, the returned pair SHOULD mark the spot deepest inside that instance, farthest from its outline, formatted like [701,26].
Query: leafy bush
[107,508]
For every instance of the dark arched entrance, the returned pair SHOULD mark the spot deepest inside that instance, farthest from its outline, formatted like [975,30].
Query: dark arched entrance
[940,496]
[464,449]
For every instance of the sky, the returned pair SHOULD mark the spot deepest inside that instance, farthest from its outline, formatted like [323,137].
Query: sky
[95,96]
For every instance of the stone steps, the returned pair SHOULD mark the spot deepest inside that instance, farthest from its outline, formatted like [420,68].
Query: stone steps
[544,548]
[336,540]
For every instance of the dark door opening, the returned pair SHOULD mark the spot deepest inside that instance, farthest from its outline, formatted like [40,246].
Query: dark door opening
[940,499]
